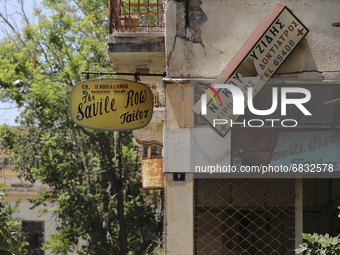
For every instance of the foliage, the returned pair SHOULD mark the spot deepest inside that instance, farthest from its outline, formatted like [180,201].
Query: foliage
[319,245]
[322,244]
[91,178]
[10,243]
[157,247]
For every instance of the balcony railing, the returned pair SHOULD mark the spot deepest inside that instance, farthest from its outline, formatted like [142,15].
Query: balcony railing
[136,16]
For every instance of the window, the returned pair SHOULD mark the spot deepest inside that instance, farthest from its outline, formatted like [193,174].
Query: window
[33,231]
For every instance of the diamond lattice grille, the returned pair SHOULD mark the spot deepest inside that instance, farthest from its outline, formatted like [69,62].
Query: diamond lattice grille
[245,216]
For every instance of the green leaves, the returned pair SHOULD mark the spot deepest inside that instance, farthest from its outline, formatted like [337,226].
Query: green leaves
[322,244]
[59,243]
[9,241]
[79,168]
[4,186]
[319,245]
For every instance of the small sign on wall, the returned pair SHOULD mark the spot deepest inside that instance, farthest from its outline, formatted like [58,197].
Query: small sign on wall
[152,173]
[178,176]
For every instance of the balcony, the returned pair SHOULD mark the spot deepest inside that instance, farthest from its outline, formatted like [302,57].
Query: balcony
[136,38]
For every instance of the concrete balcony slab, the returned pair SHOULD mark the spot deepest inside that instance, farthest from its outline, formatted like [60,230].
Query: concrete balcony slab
[138,52]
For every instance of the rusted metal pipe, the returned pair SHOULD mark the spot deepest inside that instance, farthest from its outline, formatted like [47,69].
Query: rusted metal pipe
[133,74]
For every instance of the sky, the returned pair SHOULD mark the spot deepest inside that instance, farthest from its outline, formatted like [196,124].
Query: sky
[8,112]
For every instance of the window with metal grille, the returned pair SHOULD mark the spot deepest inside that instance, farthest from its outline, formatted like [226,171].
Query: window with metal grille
[33,231]
[245,216]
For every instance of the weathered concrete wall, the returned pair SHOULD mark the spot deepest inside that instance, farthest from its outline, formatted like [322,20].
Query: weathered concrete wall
[183,142]
[201,45]
[179,212]
[178,104]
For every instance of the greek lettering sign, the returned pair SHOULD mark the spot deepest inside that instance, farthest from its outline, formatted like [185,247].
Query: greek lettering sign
[258,59]
[111,104]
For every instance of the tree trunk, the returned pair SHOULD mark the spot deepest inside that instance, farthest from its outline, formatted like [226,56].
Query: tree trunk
[120,198]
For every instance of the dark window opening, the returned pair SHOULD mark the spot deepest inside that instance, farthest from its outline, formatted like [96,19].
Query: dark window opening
[321,198]
[33,231]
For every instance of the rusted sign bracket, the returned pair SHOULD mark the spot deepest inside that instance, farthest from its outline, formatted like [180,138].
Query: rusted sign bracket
[137,74]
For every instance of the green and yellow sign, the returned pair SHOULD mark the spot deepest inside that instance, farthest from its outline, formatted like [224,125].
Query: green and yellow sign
[111,104]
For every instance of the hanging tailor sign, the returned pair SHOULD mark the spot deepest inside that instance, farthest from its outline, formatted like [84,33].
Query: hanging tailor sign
[111,104]
[259,58]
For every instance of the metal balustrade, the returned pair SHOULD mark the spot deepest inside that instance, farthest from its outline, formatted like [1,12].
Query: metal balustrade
[136,16]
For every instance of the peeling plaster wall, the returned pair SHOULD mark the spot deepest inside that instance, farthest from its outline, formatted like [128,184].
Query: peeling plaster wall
[201,38]
[201,43]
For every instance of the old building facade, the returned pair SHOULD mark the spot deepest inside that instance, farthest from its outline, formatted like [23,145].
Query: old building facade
[245,215]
